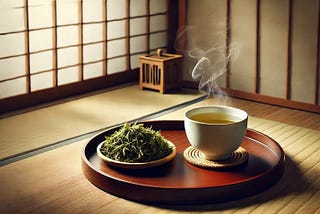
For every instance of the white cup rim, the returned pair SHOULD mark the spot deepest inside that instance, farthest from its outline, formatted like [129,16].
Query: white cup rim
[241,114]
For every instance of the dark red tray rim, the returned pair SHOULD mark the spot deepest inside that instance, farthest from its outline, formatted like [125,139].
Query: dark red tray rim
[178,125]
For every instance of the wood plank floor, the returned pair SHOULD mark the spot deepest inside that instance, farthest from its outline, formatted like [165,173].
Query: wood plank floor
[279,114]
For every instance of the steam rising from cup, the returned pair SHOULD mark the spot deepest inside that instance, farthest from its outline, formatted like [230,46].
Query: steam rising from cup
[211,63]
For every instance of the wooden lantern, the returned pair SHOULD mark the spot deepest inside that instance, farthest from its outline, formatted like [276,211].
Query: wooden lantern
[160,71]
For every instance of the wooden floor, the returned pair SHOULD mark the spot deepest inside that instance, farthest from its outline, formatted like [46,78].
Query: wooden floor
[279,114]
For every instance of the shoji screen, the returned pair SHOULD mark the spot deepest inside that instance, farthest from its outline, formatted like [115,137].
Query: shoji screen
[278,42]
[47,45]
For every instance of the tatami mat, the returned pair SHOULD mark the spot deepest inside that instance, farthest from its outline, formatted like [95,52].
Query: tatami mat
[39,128]
[298,191]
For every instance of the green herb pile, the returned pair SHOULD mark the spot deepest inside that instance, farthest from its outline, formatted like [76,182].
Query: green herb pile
[135,144]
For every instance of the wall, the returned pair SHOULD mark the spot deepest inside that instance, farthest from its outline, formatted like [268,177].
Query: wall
[278,45]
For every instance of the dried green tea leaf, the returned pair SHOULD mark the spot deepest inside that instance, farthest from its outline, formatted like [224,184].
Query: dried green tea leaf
[134,143]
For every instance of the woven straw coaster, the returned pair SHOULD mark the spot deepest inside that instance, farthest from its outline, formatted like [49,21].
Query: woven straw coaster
[195,157]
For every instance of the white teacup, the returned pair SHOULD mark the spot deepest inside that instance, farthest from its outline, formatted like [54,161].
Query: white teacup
[216,131]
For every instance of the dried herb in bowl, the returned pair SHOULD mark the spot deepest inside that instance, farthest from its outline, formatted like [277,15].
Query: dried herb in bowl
[134,143]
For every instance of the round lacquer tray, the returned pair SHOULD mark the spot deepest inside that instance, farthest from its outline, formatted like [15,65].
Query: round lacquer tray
[179,182]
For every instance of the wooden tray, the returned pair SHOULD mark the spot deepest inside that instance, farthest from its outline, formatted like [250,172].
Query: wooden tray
[179,182]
